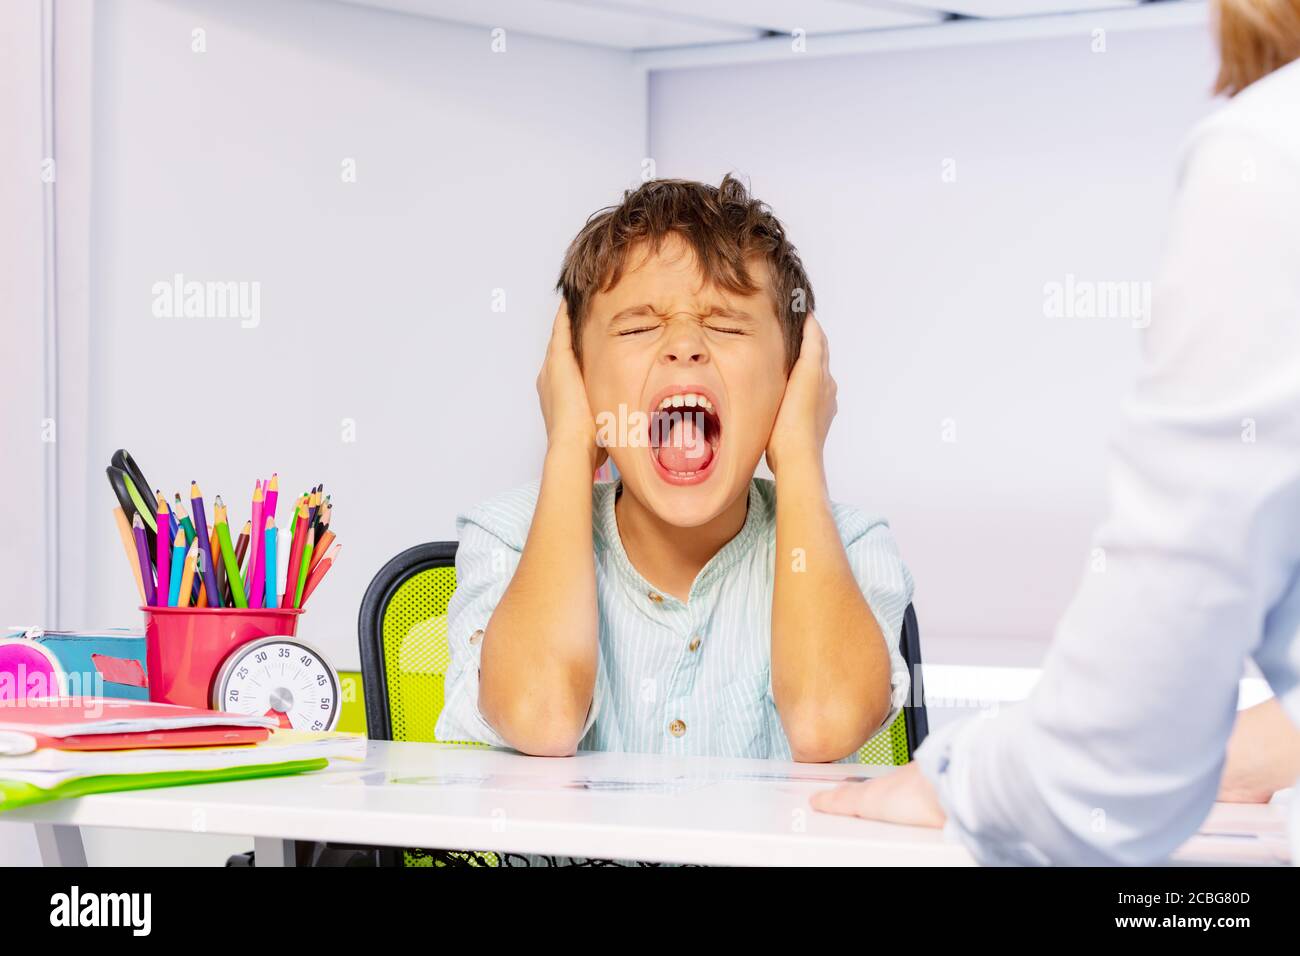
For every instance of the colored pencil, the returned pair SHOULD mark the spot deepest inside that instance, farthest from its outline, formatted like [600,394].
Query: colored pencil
[175,562]
[256,576]
[322,567]
[269,560]
[304,565]
[295,553]
[202,600]
[187,574]
[223,586]
[128,544]
[272,495]
[205,543]
[183,518]
[183,521]
[322,545]
[293,523]
[142,555]
[228,556]
[172,524]
[163,558]
[241,549]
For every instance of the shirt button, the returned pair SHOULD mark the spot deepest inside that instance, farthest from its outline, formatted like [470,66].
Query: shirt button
[694,645]
[476,637]
[655,596]
[677,728]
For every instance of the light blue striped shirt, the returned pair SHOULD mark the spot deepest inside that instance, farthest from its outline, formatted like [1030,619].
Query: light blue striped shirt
[691,678]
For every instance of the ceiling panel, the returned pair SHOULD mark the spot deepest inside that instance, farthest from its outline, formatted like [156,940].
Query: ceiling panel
[651,25]
[997,9]
[579,22]
[783,16]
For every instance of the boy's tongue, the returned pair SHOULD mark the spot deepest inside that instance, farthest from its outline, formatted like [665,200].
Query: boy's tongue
[684,447]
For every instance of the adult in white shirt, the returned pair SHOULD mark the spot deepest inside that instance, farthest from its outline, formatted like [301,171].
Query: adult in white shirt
[1117,755]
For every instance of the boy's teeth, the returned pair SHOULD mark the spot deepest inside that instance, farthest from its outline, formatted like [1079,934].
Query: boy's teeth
[687,400]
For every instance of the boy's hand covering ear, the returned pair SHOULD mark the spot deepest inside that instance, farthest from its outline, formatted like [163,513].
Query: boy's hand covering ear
[563,395]
[802,422]
[901,796]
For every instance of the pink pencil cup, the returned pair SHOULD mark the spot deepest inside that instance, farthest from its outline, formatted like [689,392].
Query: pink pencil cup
[185,646]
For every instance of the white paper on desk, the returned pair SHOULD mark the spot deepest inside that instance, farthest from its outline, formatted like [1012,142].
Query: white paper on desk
[48,767]
[520,781]
[13,743]
[775,776]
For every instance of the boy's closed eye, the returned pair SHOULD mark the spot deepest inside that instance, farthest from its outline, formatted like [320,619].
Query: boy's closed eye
[651,328]
[728,322]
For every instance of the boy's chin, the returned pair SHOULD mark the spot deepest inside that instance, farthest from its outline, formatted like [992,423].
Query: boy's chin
[683,505]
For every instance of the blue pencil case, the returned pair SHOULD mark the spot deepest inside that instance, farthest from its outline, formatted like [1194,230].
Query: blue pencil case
[107,663]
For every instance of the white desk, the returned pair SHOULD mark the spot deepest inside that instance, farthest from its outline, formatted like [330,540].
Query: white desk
[684,810]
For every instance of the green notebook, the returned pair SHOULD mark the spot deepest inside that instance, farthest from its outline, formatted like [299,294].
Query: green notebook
[16,794]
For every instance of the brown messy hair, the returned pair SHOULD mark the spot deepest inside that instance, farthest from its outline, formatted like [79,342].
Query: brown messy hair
[723,226]
[1256,37]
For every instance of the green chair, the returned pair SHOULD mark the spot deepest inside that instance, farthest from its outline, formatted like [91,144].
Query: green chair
[404,659]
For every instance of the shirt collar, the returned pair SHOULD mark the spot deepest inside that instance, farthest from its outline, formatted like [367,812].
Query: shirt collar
[754,531]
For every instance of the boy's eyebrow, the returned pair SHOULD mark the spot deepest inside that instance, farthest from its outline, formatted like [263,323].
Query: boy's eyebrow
[731,314]
[632,312]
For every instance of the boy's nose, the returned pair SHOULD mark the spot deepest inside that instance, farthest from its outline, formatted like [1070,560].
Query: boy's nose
[684,343]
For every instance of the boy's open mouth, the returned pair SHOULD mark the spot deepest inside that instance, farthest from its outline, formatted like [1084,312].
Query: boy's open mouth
[685,432]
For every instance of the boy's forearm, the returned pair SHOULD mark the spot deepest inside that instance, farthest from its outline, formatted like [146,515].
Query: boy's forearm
[830,665]
[540,647]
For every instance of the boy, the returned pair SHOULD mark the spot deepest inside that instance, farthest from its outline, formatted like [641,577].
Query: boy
[687,607]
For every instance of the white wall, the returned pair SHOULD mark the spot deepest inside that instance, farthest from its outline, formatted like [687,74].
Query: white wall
[473,170]
[22,474]
[932,292]
[22,317]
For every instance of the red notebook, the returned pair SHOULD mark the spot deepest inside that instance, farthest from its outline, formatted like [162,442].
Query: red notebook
[102,723]
[180,737]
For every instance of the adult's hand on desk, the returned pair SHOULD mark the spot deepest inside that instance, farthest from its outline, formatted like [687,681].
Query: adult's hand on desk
[902,796]
[1263,755]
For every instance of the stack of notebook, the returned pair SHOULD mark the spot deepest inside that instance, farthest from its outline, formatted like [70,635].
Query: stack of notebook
[71,746]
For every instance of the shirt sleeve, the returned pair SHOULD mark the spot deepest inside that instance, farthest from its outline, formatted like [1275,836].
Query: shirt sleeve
[1115,758]
[485,564]
[887,585]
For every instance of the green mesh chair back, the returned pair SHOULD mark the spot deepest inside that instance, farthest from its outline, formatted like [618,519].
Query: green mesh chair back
[403,635]
[405,658]
[895,745]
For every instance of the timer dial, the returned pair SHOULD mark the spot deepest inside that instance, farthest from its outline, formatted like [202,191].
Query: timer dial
[280,677]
